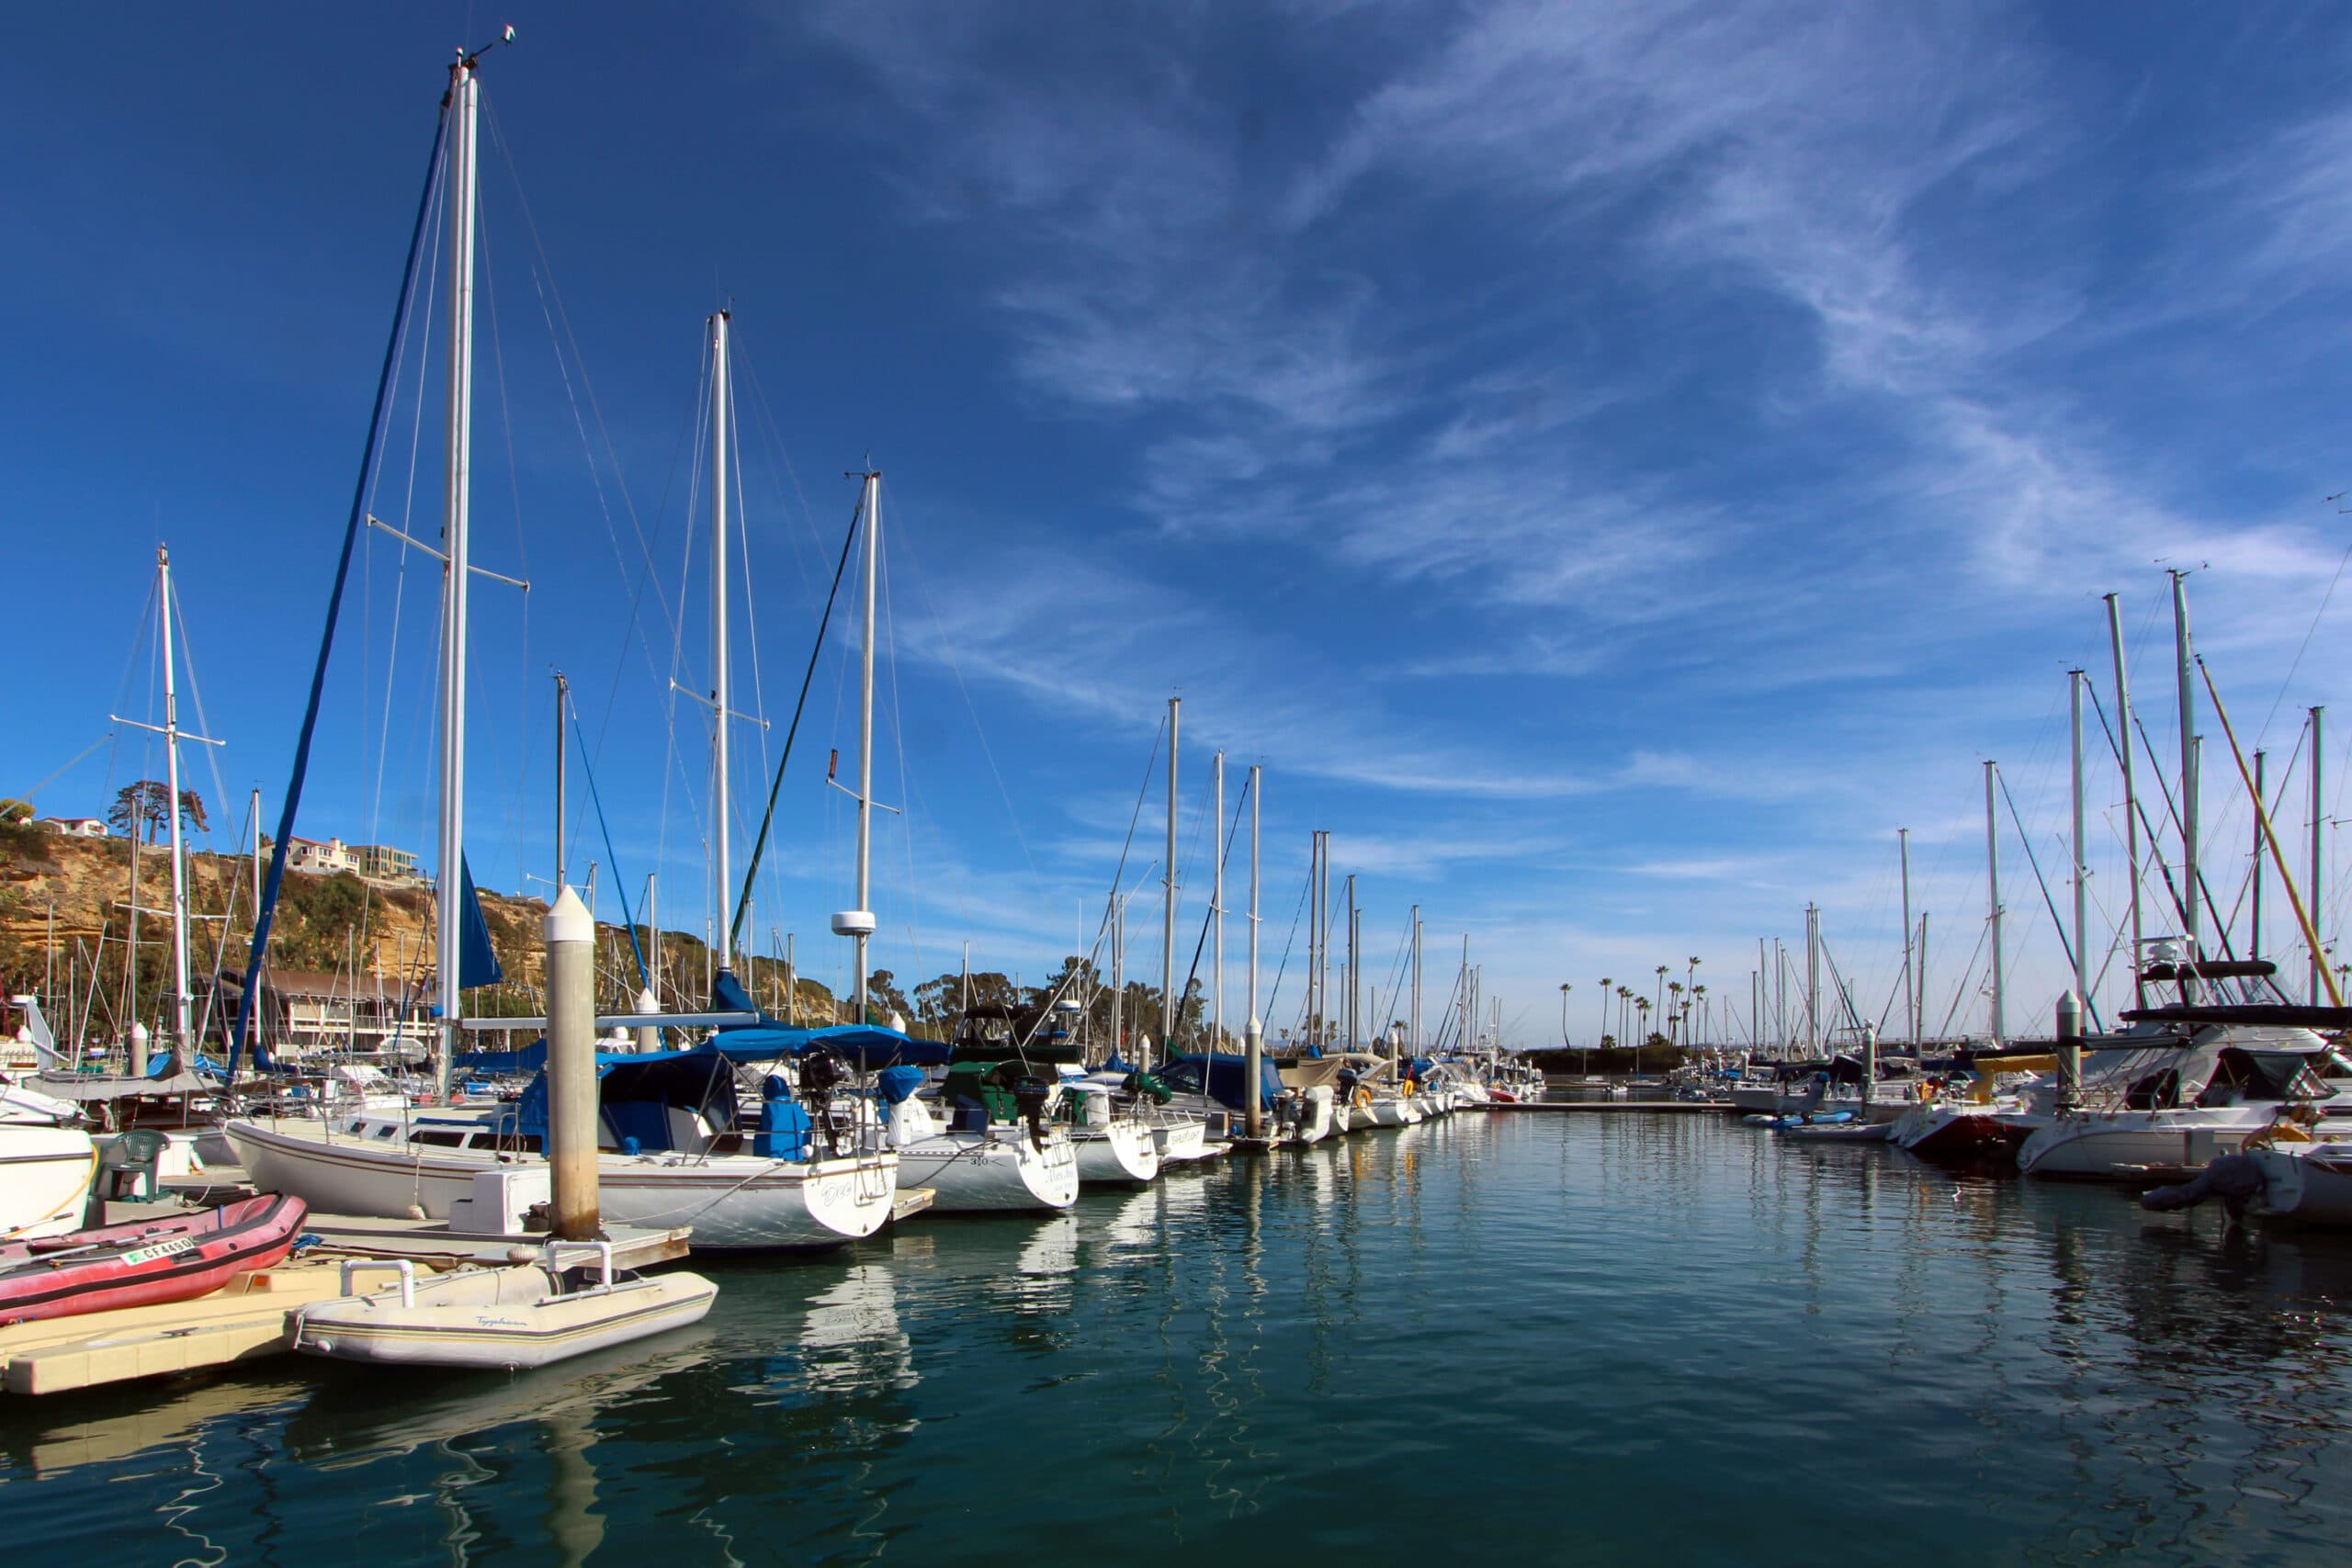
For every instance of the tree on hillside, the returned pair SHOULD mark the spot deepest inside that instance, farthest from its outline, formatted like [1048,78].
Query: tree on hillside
[146,806]
[938,1000]
[883,997]
[13,812]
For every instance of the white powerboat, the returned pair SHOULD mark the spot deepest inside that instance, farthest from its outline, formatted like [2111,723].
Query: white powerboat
[2164,1102]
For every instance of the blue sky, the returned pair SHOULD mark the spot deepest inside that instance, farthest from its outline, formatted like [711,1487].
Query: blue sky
[1613,466]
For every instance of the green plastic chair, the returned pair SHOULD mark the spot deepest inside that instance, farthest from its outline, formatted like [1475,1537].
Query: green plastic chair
[135,1155]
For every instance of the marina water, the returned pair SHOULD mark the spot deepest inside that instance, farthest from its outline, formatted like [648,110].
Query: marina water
[1587,1337]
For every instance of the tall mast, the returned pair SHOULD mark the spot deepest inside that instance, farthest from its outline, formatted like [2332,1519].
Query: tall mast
[720,712]
[1813,979]
[1910,964]
[1168,885]
[2190,899]
[862,930]
[1119,973]
[172,808]
[2254,941]
[562,690]
[1923,965]
[2319,817]
[1254,777]
[465,90]
[1992,898]
[2131,797]
[1217,900]
[1413,1018]
[2082,865]
[1355,980]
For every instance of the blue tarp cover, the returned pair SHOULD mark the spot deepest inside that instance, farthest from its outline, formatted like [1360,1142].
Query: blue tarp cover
[1227,1079]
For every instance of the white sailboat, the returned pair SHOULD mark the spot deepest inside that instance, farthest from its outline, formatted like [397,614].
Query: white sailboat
[971,1164]
[396,1166]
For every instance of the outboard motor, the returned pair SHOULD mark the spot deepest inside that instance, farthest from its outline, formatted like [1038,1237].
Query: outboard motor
[1030,1096]
[822,1074]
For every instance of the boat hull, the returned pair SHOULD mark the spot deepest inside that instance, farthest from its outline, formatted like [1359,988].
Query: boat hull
[980,1173]
[734,1203]
[146,1263]
[45,1175]
[450,1324]
[2308,1184]
[2137,1146]
[1121,1154]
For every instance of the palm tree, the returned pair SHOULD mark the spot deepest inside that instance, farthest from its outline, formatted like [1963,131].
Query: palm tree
[1605,984]
[1701,993]
[1672,1015]
[1661,987]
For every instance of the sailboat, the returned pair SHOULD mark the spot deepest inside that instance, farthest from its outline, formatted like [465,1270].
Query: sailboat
[972,1159]
[691,1174]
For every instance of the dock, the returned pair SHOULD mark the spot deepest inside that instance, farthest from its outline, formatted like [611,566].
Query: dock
[253,1315]
[243,1321]
[1680,1107]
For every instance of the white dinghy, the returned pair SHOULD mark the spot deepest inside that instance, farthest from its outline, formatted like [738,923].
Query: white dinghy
[501,1319]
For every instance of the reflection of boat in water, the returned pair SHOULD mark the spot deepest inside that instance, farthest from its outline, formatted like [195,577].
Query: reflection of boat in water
[349,1422]
[113,1424]
[850,1337]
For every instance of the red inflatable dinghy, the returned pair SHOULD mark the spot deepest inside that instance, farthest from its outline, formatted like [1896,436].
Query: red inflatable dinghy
[146,1261]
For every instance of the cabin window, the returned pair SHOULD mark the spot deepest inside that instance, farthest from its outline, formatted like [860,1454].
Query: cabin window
[385,1131]
[440,1140]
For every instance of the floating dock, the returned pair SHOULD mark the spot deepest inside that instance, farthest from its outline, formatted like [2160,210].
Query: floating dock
[1684,1107]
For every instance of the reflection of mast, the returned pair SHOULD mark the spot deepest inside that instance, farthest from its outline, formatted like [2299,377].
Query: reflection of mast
[574,1525]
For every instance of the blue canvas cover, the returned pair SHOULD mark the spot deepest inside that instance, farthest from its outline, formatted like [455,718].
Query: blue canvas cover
[1226,1077]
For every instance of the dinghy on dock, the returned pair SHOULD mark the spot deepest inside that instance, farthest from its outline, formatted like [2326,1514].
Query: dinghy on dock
[501,1319]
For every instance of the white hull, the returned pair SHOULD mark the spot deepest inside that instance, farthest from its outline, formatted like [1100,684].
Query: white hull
[1317,1122]
[45,1175]
[1392,1112]
[1184,1140]
[2308,1183]
[1124,1153]
[998,1171]
[734,1202]
[2138,1145]
[498,1319]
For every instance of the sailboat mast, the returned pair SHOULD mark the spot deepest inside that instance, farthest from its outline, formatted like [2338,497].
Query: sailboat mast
[1910,967]
[562,690]
[172,809]
[863,926]
[1216,901]
[2081,867]
[720,870]
[1992,898]
[2131,796]
[1253,1022]
[2189,885]
[2262,800]
[1413,1018]
[2319,817]
[465,90]
[1813,979]
[1168,887]
[1356,981]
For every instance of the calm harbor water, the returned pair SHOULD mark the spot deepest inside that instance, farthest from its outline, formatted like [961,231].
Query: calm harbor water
[1589,1338]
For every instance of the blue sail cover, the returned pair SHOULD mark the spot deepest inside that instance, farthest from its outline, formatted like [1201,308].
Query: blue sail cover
[865,1046]
[477,960]
[1227,1078]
